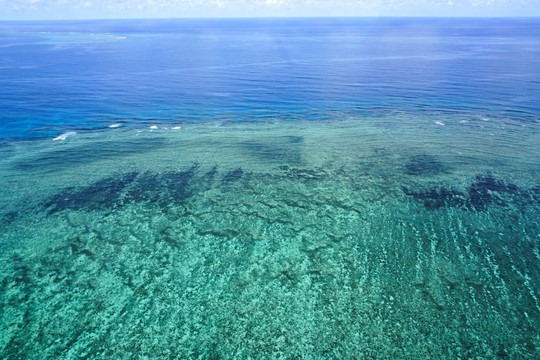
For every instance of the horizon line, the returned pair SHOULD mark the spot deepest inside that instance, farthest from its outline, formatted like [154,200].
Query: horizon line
[278,17]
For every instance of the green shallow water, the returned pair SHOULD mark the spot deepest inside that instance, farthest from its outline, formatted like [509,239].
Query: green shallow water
[411,236]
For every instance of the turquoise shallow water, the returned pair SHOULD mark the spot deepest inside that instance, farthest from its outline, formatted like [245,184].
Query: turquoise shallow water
[409,235]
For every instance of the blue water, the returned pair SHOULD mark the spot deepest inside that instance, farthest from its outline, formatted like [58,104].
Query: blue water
[270,189]
[86,74]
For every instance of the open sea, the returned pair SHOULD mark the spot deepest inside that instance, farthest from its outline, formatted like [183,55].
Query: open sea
[270,189]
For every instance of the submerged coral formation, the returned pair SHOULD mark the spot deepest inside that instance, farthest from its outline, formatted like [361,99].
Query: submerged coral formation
[298,244]
[484,191]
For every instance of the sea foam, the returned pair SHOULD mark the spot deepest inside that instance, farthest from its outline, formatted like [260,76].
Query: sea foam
[65,135]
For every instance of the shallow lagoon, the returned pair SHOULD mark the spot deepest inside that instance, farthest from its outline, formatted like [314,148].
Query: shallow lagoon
[400,235]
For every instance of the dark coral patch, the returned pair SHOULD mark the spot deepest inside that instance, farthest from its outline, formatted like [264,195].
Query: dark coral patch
[104,193]
[438,197]
[536,193]
[210,175]
[484,191]
[168,187]
[8,217]
[161,189]
[233,175]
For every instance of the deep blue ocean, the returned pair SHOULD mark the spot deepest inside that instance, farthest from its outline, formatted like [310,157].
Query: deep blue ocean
[270,189]
[88,73]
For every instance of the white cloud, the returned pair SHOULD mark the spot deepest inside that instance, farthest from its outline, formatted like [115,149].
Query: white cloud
[482,2]
[273,2]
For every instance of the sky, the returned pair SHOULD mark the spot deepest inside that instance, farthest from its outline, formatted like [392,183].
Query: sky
[107,9]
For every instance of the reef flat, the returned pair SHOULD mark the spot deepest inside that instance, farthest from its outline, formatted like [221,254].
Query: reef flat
[364,237]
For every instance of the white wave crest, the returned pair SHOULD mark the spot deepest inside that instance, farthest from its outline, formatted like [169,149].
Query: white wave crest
[65,135]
